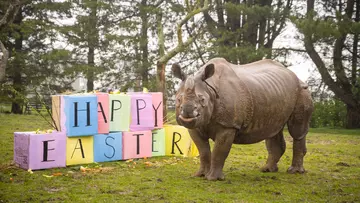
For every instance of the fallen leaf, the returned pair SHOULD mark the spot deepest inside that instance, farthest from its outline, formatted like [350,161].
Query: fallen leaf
[82,169]
[30,171]
[57,174]
[46,176]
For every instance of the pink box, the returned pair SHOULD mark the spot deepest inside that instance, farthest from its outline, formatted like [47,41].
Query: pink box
[142,116]
[137,144]
[103,113]
[39,151]
[157,103]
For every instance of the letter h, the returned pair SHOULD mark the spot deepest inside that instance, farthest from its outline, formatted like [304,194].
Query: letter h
[76,110]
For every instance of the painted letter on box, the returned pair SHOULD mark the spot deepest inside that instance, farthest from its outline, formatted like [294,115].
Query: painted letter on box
[157,103]
[158,142]
[79,150]
[137,144]
[81,116]
[142,116]
[179,142]
[108,147]
[103,112]
[119,112]
[39,151]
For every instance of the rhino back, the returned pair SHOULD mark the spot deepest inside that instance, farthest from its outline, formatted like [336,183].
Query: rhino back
[274,90]
[257,98]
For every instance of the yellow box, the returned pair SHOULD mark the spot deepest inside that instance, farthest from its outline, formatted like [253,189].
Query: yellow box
[79,150]
[178,142]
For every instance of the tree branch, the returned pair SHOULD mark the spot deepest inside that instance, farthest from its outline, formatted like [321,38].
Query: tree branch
[289,49]
[3,61]
[12,7]
[276,32]
[182,45]
[211,24]
[196,45]
[187,18]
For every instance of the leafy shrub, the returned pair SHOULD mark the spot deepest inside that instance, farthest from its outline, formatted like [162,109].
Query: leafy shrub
[330,113]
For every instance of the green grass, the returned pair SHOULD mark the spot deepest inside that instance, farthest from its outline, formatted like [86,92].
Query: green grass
[332,163]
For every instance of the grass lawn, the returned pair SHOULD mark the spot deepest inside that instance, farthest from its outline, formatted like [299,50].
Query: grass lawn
[332,163]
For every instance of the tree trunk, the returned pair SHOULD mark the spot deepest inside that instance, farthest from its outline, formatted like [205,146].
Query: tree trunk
[352,117]
[160,69]
[92,41]
[162,85]
[144,44]
[355,48]
[17,104]
[90,72]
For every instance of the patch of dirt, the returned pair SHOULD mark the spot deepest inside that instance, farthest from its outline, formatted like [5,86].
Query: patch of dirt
[277,193]
[343,164]
[99,169]
[120,192]
[125,192]
[53,189]
[56,199]
[326,142]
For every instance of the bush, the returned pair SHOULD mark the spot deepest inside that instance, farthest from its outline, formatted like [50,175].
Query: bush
[331,113]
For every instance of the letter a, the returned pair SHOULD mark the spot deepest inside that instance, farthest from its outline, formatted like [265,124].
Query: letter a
[81,148]
[102,111]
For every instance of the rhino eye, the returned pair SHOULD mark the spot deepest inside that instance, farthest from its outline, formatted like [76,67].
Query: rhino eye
[178,100]
[201,100]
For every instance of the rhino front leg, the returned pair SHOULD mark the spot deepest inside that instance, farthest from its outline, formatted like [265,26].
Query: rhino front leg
[223,142]
[202,143]
[276,147]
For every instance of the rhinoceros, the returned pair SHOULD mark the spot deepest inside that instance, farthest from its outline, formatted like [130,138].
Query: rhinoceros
[243,104]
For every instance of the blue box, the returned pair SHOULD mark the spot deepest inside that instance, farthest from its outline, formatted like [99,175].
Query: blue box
[108,147]
[81,116]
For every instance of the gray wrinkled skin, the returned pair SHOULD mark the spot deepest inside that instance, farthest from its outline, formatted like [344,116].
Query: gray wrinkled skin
[243,104]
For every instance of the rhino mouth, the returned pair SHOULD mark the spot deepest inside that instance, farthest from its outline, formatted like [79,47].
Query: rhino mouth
[188,122]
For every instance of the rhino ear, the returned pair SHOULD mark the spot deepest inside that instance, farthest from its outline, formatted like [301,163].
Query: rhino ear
[177,72]
[209,71]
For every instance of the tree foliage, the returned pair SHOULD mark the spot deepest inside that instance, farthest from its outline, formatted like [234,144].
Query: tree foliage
[331,31]
[245,31]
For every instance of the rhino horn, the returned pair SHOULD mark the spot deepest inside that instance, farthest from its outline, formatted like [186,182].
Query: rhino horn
[190,85]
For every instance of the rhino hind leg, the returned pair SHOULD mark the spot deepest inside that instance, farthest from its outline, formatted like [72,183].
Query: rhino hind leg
[298,126]
[276,147]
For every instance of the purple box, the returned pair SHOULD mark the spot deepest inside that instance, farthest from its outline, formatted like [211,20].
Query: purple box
[39,151]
